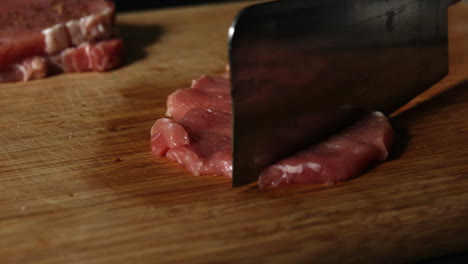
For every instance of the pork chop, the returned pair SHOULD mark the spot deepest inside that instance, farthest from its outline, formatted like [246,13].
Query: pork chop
[37,32]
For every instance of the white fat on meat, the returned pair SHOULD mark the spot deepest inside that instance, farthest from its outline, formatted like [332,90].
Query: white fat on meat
[34,68]
[298,168]
[90,28]
[56,38]
[295,169]
[28,69]
[75,32]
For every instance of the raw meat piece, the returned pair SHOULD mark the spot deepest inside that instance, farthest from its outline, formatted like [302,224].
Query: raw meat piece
[207,92]
[201,141]
[101,56]
[339,158]
[166,134]
[29,69]
[43,29]
[30,27]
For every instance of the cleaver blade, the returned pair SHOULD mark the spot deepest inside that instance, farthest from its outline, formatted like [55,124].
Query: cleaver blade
[301,70]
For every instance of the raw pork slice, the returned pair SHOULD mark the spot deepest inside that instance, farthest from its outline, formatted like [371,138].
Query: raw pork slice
[201,141]
[339,158]
[34,33]
[201,135]
[207,92]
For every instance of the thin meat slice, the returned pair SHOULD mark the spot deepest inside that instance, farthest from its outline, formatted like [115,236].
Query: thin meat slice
[207,93]
[339,158]
[44,29]
[200,135]
[200,141]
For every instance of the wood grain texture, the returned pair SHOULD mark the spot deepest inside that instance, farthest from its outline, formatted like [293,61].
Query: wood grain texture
[78,183]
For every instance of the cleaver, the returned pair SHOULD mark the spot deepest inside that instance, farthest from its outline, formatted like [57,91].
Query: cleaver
[301,70]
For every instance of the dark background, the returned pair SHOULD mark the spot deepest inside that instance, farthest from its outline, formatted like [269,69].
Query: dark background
[129,5]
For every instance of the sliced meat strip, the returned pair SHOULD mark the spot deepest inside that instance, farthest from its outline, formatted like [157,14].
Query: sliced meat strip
[200,135]
[200,141]
[339,158]
[207,92]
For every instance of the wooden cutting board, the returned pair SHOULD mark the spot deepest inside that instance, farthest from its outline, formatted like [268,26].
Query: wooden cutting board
[78,183]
